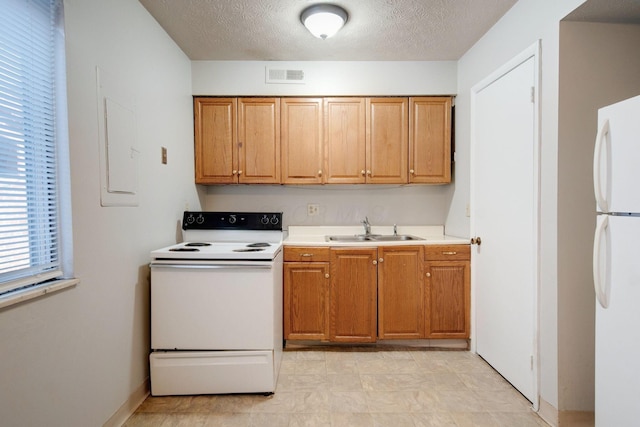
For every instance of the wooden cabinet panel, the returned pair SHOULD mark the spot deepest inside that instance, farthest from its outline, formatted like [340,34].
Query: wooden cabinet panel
[387,140]
[302,153]
[353,295]
[344,140]
[430,140]
[306,301]
[401,292]
[448,299]
[216,158]
[259,140]
[306,254]
[447,252]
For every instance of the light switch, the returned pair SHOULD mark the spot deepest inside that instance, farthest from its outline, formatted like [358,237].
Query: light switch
[164,155]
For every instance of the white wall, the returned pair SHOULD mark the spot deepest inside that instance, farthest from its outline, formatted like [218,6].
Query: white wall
[599,65]
[326,78]
[526,22]
[73,358]
[339,204]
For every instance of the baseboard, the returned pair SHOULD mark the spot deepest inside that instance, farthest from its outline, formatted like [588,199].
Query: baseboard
[129,406]
[548,412]
[577,418]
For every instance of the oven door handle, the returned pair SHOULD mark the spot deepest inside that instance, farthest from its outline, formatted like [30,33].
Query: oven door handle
[213,266]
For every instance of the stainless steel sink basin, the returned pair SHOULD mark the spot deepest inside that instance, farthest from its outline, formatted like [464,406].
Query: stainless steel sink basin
[372,238]
[352,238]
[397,238]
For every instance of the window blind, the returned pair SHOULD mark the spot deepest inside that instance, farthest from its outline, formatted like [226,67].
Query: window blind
[29,232]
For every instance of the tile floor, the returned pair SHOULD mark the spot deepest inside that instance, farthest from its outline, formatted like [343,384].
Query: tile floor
[359,386]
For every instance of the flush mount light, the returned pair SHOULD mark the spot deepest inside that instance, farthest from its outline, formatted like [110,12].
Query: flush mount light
[323,20]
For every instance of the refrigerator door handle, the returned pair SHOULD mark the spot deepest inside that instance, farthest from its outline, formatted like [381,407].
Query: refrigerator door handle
[601,198]
[600,282]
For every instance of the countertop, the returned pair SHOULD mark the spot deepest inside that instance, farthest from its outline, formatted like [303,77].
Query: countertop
[299,235]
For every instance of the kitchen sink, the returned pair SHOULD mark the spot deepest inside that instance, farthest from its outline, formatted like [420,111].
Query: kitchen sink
[397,238]
[372,238]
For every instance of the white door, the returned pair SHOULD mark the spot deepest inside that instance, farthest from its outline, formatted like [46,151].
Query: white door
[504,202]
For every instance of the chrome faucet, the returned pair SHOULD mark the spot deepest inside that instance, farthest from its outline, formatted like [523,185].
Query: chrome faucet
[367,226]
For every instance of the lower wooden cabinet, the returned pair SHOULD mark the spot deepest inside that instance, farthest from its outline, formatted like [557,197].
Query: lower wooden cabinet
[448,291]
[401,292]
[352,295]
[364,294]
[306,294]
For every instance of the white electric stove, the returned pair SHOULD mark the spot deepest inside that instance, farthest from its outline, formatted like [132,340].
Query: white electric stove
[216,306]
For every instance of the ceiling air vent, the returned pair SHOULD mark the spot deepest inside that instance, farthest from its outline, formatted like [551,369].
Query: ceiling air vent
[284,76]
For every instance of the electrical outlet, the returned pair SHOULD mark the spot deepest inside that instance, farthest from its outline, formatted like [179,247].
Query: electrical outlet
[313,209]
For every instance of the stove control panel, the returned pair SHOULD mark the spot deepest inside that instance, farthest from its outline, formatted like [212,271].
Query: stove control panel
[232,220]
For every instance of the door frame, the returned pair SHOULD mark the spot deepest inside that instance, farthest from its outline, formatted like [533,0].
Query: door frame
[533,51]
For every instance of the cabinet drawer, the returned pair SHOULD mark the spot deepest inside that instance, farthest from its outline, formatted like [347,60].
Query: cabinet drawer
[306,254]
[447,252]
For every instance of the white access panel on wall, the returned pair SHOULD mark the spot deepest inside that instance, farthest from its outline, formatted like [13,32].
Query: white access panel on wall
[118,147]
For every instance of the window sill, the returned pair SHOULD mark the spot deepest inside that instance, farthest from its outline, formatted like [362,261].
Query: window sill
[37,291]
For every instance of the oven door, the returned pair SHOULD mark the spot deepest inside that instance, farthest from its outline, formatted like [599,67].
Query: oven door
[230,305]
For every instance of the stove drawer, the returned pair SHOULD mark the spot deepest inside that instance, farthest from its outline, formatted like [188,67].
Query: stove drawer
[212,372]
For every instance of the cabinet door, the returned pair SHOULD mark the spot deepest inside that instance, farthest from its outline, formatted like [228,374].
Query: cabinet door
[306,300]
[448,299]
[353,295]
[259,140]
[344,140]
[302,145]
[401,292]
[387,140]
[430,140]
[216,158]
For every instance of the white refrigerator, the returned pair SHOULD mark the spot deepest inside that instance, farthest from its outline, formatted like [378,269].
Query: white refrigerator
[616,265]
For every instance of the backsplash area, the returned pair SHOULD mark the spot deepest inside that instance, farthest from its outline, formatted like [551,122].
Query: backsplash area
[337,205]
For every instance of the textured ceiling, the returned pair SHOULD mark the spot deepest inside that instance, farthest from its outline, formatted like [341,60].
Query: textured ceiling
[377,30]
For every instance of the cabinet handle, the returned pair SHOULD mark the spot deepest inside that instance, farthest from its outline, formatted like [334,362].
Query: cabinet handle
[233,172]
[239,172]
[412,172]
[319,173]
[428,274]
[380,259]
[306,255]
[326,276]
[369,173]
[375,262]
[362,172]
[449,253]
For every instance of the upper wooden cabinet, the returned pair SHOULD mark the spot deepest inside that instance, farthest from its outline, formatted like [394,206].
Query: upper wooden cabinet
[302,153]
[387,140]
[339,140]
[216,153]
[259,140]
[344,140]
[430,140]
[237,140]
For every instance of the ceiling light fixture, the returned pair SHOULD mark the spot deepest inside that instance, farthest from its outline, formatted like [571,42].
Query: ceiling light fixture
[323,20]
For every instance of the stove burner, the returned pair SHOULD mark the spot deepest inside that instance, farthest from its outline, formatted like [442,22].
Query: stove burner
[184,250]
[248,250]
[259,245]
[198,244]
